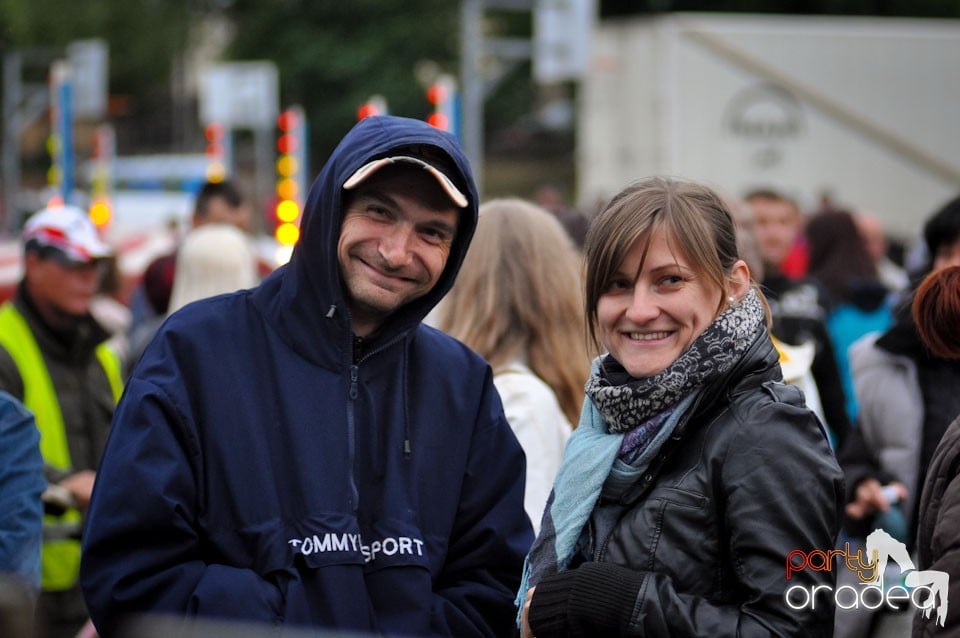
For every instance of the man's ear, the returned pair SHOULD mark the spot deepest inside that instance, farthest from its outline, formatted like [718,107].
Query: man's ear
[30,259]
[739,280]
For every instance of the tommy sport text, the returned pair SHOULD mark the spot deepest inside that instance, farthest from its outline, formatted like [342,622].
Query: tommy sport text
[349,542]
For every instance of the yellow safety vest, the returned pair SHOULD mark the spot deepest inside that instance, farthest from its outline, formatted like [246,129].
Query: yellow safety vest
[60,559]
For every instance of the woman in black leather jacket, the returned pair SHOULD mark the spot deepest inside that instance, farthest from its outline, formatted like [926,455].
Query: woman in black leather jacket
[697,483]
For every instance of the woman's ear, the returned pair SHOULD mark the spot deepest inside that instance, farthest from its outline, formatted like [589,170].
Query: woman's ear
[739,281]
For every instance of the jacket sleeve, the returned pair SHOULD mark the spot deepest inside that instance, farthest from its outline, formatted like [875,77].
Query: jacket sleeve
[782,492]
[938,539]
[890,414]
[779,490]
[21,483]
[473,596]
[946,559]
[141,547]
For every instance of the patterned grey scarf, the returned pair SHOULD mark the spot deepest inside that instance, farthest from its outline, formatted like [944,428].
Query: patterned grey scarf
[626,402]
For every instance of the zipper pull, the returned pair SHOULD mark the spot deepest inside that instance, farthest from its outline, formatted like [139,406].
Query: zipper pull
[353,382]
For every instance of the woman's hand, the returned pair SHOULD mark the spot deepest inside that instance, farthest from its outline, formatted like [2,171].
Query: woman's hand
[525,631]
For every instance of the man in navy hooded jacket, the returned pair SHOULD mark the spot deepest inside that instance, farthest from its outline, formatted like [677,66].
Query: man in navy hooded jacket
[308,453]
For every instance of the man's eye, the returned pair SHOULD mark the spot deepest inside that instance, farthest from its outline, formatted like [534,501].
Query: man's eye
[436,235]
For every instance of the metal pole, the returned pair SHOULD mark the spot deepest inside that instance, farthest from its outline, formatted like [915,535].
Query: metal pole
[12,94]
[263,173]
[471,42]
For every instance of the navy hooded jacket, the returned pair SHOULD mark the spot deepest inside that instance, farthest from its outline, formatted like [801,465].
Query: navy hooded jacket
[257,471]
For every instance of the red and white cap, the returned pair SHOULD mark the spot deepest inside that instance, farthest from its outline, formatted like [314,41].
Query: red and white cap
[70,230]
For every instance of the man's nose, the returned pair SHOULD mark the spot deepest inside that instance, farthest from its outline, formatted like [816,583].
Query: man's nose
[395,245]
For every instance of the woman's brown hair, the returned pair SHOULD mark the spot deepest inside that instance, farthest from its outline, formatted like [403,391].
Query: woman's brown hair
[936,311]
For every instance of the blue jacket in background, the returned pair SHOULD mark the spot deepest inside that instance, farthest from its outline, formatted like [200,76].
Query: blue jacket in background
[258,471]
[21,484]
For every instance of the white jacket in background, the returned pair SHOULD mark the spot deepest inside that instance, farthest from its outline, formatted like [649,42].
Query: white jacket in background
[539,424]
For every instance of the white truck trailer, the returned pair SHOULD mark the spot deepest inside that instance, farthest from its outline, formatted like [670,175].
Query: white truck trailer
[863,110]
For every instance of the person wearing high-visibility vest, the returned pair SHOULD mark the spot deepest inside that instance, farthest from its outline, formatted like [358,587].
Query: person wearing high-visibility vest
[53,358]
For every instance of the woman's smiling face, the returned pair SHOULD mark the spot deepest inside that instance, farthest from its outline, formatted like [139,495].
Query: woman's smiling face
[649,316]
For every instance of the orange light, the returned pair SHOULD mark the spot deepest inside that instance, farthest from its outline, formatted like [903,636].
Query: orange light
[287,165]
[288,211]
[287,189]
[216,172]
[287,234]
[439,120]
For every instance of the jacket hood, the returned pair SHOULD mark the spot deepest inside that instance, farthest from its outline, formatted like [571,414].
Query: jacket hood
[311,297]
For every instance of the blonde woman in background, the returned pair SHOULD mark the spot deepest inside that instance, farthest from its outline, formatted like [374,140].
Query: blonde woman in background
[517,303]
[214,259]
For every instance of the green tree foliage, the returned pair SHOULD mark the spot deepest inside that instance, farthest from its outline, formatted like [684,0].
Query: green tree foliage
[333,56]
[143,35]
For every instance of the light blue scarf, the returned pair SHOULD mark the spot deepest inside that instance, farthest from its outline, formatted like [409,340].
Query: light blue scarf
[588,460]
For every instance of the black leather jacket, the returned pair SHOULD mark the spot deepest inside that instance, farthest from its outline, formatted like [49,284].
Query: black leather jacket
[746,478]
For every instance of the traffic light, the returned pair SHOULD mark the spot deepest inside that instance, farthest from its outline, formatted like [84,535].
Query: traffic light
[291,174]
[376,105]
[217,151]
[442,94]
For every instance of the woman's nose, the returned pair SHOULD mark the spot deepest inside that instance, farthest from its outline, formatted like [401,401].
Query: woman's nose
[643,306]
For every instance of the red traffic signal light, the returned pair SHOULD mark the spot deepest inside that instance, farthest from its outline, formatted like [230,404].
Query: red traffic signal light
[287,121]
[437,93]
[367,109]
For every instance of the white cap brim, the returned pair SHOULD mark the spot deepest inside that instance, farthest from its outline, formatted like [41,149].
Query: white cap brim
[368,169]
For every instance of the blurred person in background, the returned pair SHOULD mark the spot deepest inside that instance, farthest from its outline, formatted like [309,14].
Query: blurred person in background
[53,358]
[693,471]
[797,305]
[308,453]
[796,361]
[856,301]
[891,275]
[936,312]
[216,203]
[550,197]
[110,311]
[213,259]
[517,302]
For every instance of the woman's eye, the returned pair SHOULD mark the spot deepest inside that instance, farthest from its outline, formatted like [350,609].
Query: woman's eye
[618,284]
[671,280]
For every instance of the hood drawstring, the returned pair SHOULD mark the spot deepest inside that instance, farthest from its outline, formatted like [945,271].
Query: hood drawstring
[407,449]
